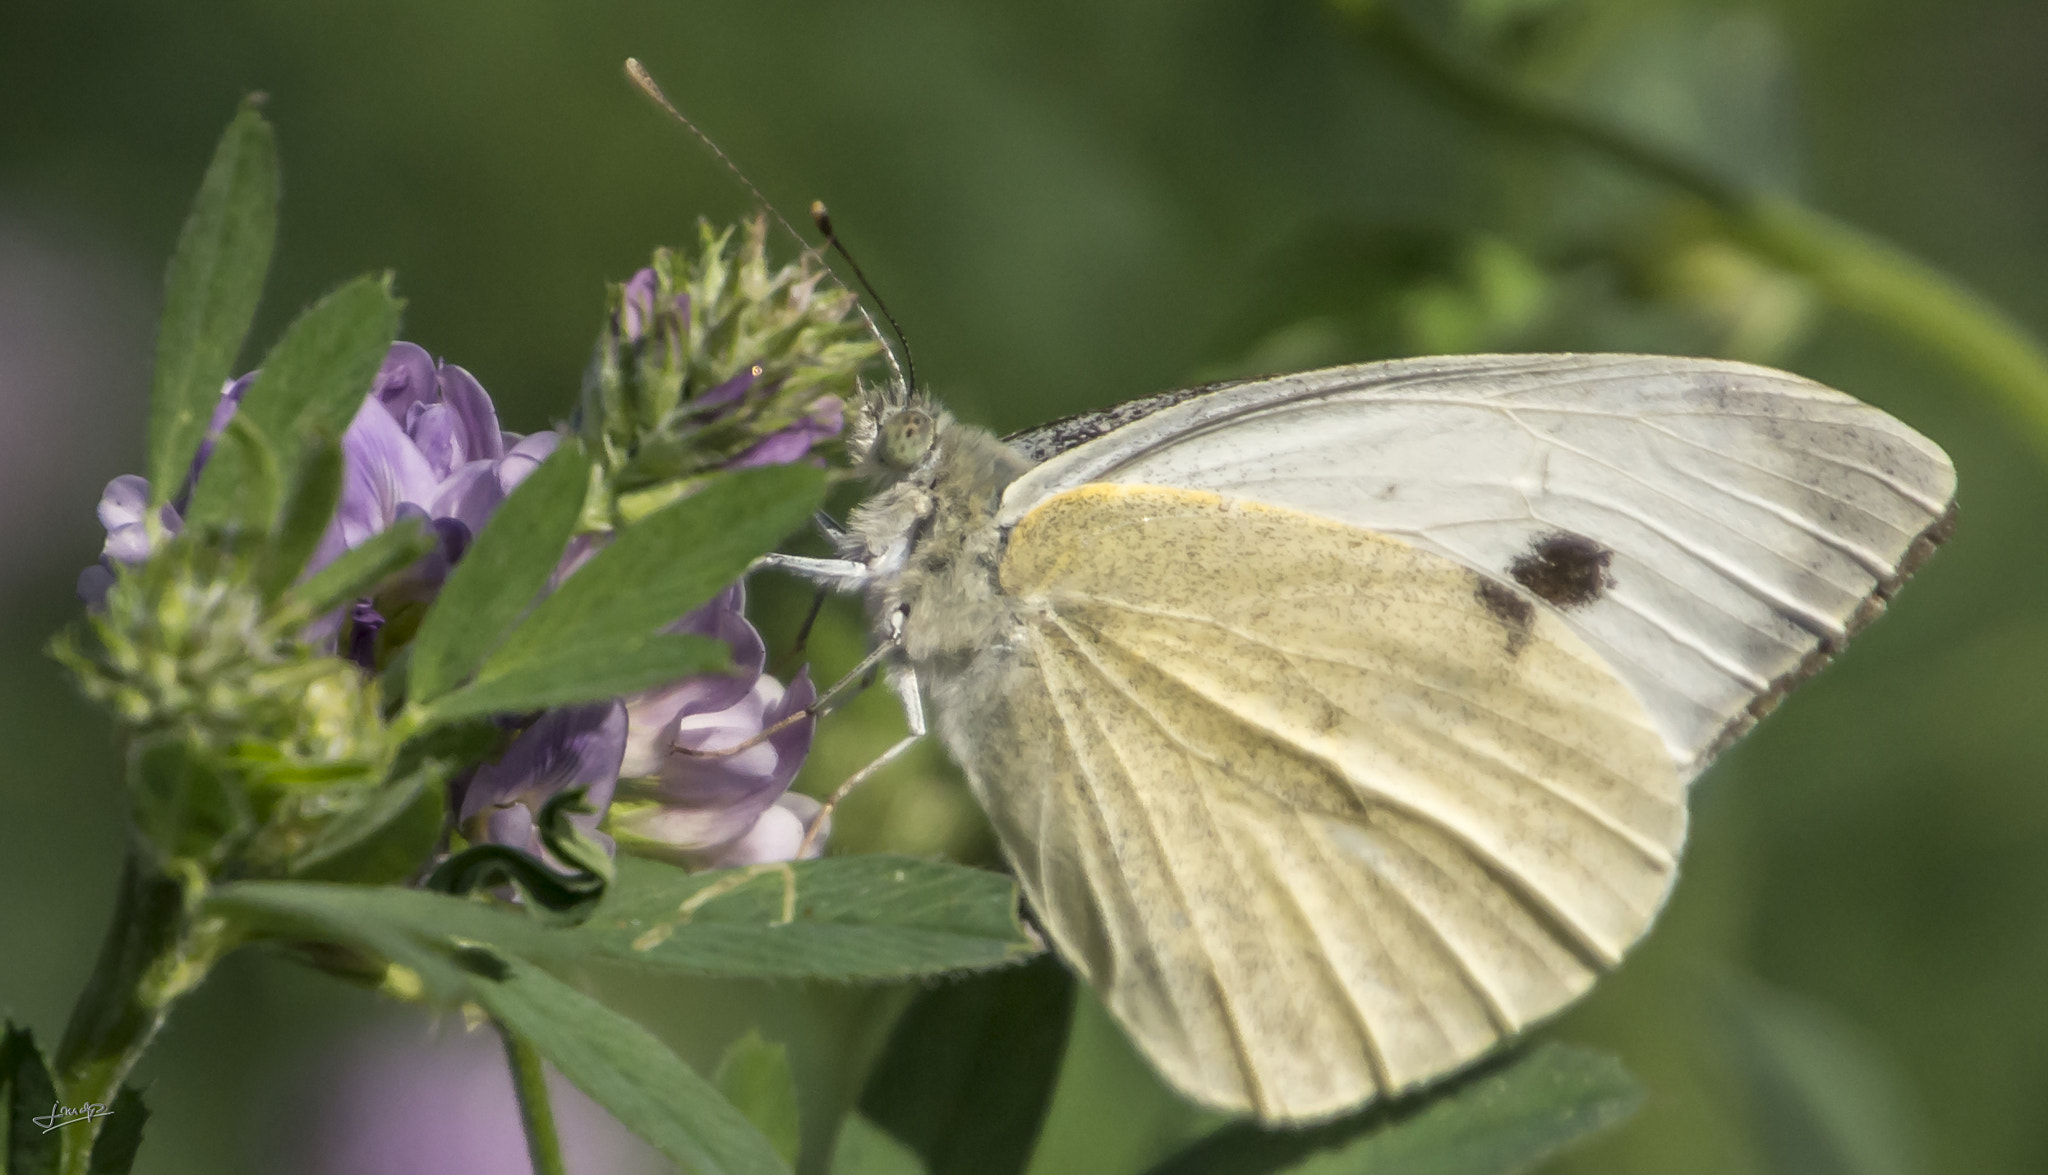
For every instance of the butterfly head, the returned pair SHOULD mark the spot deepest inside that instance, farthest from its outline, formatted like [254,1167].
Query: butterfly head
[894,431]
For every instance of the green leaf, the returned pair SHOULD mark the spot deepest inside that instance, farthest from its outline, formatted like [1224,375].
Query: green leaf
[1822,1097]
[844,918]
[359,570]
[210,295]
[754,1076]
[500,575]
[618,1063]
[655,571]
[31,1094]
[848,918]
[311,385]
[113,1152]
[587,673]
[359,916]
[386,839]
[308,509]
[970,1069]
[866,1149]
[627,1071]
[252,477]
[1506,1119]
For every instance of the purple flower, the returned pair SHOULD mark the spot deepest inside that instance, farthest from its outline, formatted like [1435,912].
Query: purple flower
[426,442]
[638,310]
[749,391]
[427,436]
[825,420]
[718,810]
[577,746]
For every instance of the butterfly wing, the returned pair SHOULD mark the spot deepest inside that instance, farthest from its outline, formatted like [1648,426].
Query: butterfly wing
[1713,530]
[1319,814]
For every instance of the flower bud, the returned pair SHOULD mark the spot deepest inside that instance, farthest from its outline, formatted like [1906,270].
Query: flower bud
[713,361]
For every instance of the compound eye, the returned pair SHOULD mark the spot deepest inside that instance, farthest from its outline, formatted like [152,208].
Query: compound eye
[906,438]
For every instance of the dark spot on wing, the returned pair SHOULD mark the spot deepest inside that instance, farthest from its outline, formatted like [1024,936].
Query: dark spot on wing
[1507,605]
[1568,570]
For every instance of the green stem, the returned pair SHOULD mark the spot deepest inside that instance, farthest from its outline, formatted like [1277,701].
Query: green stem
[154,952]
[530,1082]
[1850,268]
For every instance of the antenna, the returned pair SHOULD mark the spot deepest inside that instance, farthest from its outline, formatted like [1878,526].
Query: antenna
[823,220]
[638,75]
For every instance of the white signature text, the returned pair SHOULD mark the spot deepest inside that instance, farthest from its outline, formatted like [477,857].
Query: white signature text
[65,1116]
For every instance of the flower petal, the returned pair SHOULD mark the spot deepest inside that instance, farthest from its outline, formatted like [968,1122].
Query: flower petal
[776,836]
[732,390]
[437,433]
[127,544]
[564,748]
[405,379]
[384,468]
[637,307]
[124,501]
[94,583]
[466,398]
[470,496]
[526,456]
[709,801]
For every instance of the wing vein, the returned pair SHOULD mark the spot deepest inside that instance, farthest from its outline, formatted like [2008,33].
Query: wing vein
[1525,890]
[1086,773]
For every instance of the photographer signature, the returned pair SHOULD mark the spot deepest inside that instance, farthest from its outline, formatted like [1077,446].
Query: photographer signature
[64,1116]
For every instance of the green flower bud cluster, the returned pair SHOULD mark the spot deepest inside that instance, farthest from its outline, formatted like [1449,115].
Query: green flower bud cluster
[243,739]
[711,359]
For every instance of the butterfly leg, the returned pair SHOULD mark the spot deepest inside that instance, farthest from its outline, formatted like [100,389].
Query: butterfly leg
[844,575]
[913,712]
[816,709]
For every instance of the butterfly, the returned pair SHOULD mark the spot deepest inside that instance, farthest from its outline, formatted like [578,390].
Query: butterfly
[1338,726]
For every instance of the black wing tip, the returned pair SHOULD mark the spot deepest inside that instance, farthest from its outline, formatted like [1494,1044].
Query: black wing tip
[1917,552]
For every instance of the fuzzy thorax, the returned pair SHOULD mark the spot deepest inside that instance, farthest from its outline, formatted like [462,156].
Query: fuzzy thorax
[929,537]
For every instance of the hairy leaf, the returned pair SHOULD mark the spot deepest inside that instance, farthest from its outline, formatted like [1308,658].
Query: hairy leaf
[843,918]
[587,673]
[243,481]
[308,509]
[849,918]
[210,294]
[311,385]
[360,569]
[500,576]
[655,571]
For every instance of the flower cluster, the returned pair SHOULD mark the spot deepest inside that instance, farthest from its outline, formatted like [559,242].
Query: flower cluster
[716,361]
[427,444]
[243,740]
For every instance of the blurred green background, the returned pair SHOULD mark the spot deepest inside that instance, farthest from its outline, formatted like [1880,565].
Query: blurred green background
[1069,203]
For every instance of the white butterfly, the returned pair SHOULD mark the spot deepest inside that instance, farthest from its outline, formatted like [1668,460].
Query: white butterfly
[1338,725]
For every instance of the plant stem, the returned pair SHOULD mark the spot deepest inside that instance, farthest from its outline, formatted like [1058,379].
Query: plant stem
[154,952]
[530,1082]
[1849,267]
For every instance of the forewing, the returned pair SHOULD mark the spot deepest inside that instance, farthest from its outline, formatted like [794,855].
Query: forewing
[1713,530]
[1321,815]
